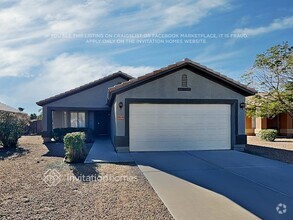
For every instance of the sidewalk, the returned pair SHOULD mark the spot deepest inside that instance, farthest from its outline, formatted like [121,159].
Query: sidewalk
[103,151]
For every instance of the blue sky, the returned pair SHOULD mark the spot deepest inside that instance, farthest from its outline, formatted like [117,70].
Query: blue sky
[41,55]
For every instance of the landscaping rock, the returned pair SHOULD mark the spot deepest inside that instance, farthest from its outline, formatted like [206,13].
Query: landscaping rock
[22,180]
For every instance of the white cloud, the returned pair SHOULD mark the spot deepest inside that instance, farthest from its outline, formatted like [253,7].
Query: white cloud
[27,17]
[26,23]
[277,24]
[188,13]
[68,71]
[160,16]
[212,57]
[244,20]
[55,65]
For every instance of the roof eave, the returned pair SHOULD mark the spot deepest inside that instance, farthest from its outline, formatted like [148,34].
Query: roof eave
[244,91]
[82,88]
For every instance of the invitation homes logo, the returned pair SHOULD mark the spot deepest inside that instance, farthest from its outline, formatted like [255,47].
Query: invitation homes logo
[281,208]
[52,178]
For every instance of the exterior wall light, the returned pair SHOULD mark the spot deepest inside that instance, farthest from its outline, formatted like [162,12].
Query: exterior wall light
[120,105]
[242,105]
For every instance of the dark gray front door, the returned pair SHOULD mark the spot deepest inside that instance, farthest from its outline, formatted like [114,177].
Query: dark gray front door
[102,122]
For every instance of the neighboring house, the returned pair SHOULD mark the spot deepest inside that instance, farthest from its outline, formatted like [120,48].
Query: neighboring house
[283,123]
[7,108]
[184,106]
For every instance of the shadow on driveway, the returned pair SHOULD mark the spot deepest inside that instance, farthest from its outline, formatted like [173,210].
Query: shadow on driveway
[257,184]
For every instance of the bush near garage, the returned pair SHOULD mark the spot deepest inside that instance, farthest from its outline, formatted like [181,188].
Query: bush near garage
[74,147]
[268,134]
[12,126]
[59,133]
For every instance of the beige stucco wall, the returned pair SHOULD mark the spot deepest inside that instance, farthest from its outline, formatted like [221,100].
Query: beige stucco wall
[167,88]
[95,97]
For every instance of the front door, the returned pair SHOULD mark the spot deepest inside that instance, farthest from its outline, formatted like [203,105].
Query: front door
[102,121]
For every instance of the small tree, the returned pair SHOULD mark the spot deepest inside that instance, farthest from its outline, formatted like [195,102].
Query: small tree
[12,126]
[74,147]
[272,76]
[40,116]
[33,116]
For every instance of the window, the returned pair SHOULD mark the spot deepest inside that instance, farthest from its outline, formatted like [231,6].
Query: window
[77,119]
[64,120]
[184,81]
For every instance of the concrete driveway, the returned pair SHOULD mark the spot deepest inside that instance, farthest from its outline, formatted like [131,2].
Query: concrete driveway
[219,184]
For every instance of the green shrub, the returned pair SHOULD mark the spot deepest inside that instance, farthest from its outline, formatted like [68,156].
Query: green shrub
[59,133]
[74,147]
[12,126]
[268,134]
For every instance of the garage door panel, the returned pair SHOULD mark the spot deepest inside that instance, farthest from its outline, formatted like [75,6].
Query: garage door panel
[199,108]
[195,122]
[165,146]
[179,127]
[174,138]
[200,135]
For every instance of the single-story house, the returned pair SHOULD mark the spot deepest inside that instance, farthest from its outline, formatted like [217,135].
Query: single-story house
[7,108]
[184,106]
[283,123]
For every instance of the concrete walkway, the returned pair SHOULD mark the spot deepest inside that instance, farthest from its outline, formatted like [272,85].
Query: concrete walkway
[103,151]
[187,201]
[219,184]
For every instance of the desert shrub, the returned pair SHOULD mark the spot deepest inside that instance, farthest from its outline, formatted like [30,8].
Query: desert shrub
[268,134]
[12,126]
[59,133]
[74,147]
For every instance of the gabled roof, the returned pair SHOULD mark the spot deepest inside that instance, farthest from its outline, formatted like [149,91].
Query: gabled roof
[84,87]
[186,63]
[7,108]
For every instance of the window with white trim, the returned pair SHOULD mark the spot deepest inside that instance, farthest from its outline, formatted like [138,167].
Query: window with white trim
[77,119]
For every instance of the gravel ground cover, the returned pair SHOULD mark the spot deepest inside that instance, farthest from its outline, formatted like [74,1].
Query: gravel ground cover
[281,149]
[80,191]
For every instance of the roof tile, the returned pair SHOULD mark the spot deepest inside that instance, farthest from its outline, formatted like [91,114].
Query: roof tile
[84,87]
[176,65]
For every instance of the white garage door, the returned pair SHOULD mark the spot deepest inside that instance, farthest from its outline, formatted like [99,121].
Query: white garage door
[173,127]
